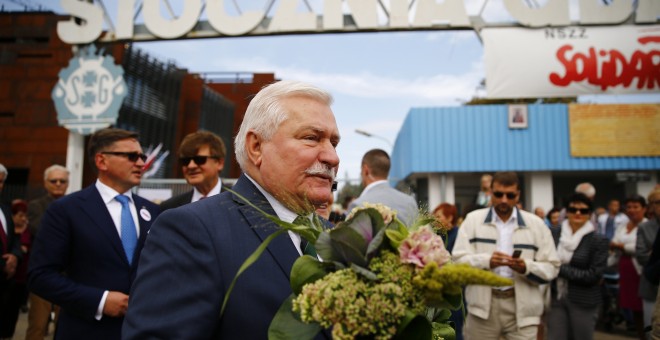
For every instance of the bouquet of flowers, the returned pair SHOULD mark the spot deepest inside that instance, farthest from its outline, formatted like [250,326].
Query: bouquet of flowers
[378,278]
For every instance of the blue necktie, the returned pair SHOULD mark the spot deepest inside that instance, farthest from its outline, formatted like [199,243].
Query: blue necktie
[128,233]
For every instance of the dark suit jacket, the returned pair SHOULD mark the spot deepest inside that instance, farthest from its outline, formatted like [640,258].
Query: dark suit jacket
[179,200]
[192,255]
[36,210]
[652,268]
[13,243]
[176,201]
[77,237]
[585,270]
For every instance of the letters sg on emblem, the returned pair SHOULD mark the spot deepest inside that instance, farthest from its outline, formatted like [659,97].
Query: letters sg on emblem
[89,92]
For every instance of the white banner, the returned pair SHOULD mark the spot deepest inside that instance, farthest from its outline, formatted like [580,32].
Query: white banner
[571,61]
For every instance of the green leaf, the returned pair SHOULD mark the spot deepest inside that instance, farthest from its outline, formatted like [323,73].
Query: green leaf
[349,246]
[307,269]
[362,225]
[368,274]
[414,327]
[441,315]
[455,301]
[248,262]
[444,330]
[286,325]
[396,234]
[376,243]
[324,247]
[309,233]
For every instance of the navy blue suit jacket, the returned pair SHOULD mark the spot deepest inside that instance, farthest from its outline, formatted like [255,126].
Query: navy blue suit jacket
[77,256]
[189,260]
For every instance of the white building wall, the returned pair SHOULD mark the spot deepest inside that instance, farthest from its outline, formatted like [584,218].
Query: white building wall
[538,191]
[644,188]
[441,189]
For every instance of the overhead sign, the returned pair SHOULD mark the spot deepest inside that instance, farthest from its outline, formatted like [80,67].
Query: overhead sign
[571,61]
[336,16]
[89,92]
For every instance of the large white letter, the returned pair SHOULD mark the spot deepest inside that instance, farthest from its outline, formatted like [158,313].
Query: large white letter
[231,25]
[592,12]
[89,30]
[124,29]
[554,13]
[364,12]
[430,13]
[170,29]
[333,18]
[286,18]
[648,11]
[399,14]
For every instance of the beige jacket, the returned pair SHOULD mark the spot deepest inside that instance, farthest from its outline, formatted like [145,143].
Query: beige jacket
[476,242]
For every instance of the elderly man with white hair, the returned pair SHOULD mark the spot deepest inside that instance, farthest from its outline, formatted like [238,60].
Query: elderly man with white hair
[286,150]
[56,183]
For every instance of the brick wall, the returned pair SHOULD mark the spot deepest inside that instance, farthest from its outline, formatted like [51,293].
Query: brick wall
[31,56]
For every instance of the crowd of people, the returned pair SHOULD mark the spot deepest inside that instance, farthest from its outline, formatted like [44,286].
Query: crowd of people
[76,256]
[604,272]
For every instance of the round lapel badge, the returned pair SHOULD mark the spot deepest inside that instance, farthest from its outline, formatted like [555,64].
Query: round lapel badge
[144,213]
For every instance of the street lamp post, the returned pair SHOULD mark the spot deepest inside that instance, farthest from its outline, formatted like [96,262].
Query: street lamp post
[369,134]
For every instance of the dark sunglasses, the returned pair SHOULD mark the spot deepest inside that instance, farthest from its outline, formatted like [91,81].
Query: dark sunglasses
[132,156]
[582,211]
[57,180]
[509,195]
[199,160]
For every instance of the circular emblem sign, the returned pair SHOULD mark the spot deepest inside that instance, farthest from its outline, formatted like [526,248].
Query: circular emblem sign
[89,92]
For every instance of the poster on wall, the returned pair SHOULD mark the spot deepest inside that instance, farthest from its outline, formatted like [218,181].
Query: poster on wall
[614,130]
[571,61]
[517,116]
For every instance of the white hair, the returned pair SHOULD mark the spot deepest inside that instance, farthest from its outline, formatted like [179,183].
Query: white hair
[3,170]
[586,188]
[264,114]
[53,168]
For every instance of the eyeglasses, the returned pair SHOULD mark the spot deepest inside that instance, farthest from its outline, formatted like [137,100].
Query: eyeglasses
[199,160]
[132,156]
[655,202]
[509,195]
[57,180]
[583,211]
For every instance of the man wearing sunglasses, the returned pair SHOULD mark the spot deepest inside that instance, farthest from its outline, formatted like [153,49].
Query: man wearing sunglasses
[512,243]
[86,252]
[56,182]
[202,158]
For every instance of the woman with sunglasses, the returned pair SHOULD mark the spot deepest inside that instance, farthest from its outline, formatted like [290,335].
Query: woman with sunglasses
[576,291]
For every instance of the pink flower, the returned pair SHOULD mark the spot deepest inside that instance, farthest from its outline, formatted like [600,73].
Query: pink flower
[423,246]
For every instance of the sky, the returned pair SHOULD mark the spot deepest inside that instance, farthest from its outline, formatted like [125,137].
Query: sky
[375,78]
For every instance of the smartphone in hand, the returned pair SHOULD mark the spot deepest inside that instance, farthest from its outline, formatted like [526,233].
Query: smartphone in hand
[516,253]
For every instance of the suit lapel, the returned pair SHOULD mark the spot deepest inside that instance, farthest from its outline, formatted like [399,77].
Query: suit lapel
[92,204]
[281,249]
[145,218]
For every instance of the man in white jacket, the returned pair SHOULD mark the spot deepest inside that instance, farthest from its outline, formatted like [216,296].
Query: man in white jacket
[512,243]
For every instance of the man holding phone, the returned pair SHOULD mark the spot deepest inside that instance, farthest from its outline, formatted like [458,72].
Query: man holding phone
[514,244]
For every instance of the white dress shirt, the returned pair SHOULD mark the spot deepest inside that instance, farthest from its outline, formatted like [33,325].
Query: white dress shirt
[505,240]
[108,195]
[282,212]
[198,195]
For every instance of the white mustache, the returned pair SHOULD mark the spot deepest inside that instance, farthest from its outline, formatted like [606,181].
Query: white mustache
[319,168]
